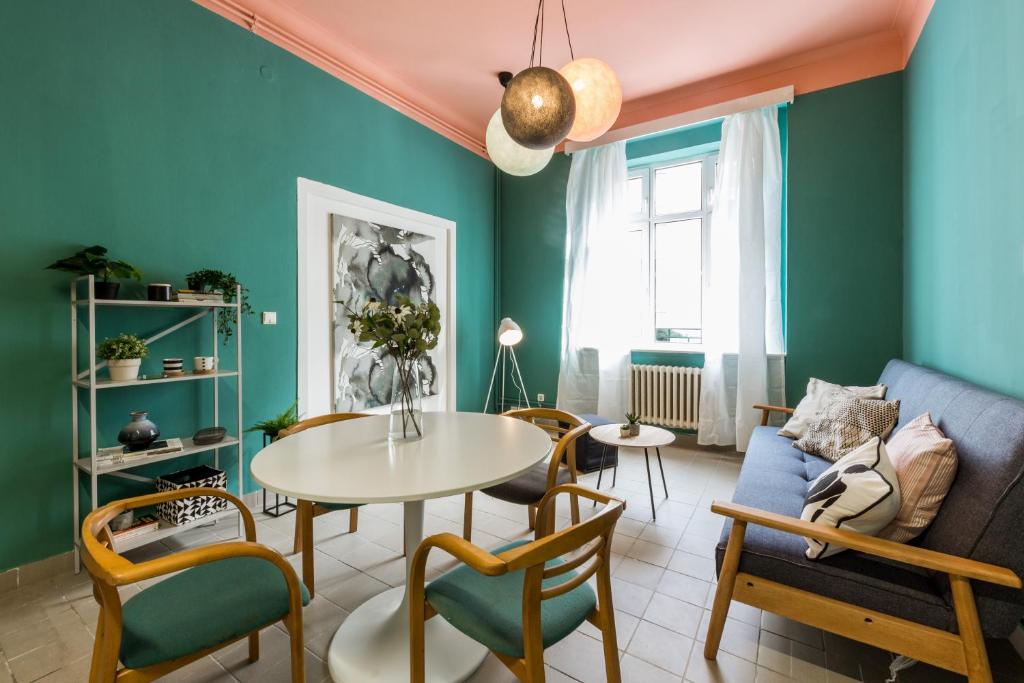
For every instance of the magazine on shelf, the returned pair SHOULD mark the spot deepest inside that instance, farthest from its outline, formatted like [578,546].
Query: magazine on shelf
[143,525]
[118,455]
[192,296]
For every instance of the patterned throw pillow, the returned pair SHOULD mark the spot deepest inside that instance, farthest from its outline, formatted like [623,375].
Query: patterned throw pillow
[847,424]
[859,493]
[925,463]
[820,395]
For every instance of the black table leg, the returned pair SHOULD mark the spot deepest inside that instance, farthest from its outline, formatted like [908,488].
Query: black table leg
[615,470]
[658,451]
[650,487]
[600,470]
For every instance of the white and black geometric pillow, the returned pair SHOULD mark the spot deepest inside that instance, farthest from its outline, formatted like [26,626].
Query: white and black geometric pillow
[859,493]
[847,424]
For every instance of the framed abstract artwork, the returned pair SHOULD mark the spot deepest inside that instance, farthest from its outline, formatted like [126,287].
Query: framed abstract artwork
[351,249]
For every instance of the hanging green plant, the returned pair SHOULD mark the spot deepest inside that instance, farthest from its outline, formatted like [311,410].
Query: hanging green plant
[208,280]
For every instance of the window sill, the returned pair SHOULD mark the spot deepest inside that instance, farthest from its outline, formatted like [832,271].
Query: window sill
[667,347]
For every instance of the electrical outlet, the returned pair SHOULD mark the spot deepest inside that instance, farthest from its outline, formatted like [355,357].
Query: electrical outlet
[269,317]
[540,398]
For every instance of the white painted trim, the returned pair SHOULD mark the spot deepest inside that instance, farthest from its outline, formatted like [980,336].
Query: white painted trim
[316,203]
[769,98]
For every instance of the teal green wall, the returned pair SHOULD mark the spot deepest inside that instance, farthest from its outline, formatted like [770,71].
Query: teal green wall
[175,138]
[964,205]
[844,248]
[844,252]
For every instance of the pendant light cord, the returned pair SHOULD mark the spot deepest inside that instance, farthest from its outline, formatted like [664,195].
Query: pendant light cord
[538,29]
[568,38]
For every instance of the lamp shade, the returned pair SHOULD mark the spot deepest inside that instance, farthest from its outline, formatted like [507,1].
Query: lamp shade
[509,155]
[598,97]
[538,107]
[509,334]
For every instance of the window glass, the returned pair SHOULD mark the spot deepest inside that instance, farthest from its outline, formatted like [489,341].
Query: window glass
[677,280]
[677,189]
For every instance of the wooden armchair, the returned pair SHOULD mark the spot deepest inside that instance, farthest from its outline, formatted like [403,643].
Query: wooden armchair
[525,575]
[307,510]
[223,593]
[529,488]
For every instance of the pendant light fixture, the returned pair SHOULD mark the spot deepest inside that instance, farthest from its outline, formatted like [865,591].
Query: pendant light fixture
[509,155]
[538,107]
[542,107]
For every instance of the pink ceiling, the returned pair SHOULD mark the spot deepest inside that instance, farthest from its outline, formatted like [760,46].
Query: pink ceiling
[436,60]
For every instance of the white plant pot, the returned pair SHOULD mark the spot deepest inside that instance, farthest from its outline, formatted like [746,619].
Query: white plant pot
[124,370]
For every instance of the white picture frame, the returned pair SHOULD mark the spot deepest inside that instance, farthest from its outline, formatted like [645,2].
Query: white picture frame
[317,202]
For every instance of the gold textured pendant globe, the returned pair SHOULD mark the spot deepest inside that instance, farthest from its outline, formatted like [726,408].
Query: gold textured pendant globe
[598,97]
[538,108]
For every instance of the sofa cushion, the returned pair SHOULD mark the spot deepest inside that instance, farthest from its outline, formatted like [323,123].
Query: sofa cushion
[818,397]
[775,477]
[982,513]
[848,424]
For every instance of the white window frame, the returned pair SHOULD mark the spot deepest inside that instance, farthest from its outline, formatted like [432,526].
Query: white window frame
[647,220]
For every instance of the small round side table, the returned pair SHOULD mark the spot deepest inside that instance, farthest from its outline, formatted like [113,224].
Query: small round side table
[649,437]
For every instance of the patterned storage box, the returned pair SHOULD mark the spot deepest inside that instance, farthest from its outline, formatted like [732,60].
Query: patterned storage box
[191,509]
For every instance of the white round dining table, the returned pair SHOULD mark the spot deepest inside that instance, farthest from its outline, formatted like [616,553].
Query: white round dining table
[355,462]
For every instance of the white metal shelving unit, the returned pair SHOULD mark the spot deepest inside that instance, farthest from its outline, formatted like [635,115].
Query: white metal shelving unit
[84,463]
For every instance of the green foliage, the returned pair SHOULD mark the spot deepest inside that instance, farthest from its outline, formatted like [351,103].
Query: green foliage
[632,418]
[278,423]
[122,347]
[93,261]
[207,280]
[406,330]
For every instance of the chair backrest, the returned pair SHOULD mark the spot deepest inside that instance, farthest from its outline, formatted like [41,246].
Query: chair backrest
[981,516]
[563,428]
[590,540]
[330,418]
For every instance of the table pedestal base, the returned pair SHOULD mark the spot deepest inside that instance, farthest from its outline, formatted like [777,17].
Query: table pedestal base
[373,645]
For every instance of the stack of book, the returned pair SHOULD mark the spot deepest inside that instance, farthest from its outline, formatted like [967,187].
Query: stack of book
[193,297]
[120,455]
[146,524]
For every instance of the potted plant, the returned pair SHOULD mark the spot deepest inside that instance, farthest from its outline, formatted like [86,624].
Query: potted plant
[208,280]
[631,427]
[273,426]
[93,261]
[405,331]
[124,354]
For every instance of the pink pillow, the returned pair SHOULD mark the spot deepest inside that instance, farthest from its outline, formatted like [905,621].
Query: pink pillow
[925,464]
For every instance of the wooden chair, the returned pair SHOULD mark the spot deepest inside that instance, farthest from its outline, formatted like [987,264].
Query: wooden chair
[306,510]
[223,593]
[497,598]
[528,489]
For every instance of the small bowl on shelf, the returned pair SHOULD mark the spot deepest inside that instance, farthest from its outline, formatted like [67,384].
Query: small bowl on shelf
[209,435]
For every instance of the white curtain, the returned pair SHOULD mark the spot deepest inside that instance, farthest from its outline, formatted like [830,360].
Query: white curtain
[742,297]
[594,373]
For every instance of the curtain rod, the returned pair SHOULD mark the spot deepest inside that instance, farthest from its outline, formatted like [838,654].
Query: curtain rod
[768,98]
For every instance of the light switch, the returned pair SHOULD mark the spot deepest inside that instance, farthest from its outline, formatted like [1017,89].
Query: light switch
[269,317]
[540,398]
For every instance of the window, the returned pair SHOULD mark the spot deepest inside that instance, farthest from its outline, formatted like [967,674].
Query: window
[670,213]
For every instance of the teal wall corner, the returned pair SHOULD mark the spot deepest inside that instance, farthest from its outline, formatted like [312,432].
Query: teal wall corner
[963,135]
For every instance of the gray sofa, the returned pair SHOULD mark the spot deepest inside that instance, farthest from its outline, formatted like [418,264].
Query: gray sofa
[982,518]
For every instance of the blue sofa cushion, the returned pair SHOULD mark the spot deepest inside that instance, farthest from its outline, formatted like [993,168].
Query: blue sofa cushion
[775,477]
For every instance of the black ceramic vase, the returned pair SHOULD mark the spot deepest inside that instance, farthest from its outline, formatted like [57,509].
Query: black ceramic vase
[139,433]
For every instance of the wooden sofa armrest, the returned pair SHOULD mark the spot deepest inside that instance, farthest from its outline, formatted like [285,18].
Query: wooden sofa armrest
[767,410]
[899,552]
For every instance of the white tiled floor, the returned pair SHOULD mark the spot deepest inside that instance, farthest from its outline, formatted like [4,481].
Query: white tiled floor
[663,575]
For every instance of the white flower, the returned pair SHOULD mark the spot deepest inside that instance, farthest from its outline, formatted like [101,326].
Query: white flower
[357,328]
[373,306]
[403,313]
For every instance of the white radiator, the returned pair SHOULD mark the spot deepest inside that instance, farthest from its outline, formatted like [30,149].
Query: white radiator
[664,395]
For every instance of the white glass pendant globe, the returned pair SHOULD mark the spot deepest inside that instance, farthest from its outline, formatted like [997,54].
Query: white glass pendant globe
[509,155]
[598,97]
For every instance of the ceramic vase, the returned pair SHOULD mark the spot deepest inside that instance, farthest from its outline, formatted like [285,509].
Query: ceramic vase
[138,434]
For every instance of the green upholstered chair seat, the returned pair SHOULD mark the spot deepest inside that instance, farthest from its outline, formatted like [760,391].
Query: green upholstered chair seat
[489,609]
[339,506]
[202,607]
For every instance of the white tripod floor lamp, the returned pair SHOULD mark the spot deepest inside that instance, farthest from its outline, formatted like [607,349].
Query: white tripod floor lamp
[509,334]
